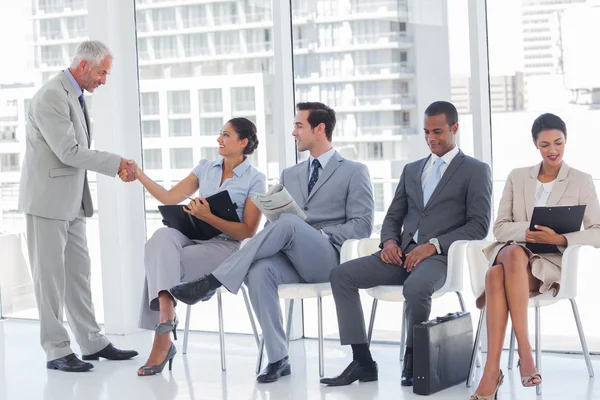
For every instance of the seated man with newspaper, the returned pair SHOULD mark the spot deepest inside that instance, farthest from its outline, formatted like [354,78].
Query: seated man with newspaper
[327,200]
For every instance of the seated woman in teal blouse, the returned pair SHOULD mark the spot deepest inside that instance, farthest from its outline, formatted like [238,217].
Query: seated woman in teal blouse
[171,258]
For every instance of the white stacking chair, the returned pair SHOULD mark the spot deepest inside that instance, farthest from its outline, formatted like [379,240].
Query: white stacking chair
[300,291]
[221,329]
[478,266]
[220,316]
[454,283]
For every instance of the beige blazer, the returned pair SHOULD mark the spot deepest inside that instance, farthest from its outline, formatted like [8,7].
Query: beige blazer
[572,187]
[57,155]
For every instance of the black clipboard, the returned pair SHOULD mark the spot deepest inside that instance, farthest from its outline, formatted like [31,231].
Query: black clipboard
[561,219]
[220,205]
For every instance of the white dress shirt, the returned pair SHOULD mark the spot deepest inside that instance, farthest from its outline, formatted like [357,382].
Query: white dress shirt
[542,193]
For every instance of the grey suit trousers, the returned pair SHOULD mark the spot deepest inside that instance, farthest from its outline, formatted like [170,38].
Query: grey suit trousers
[286,251]
[60,266]
[370,271]
[171,258]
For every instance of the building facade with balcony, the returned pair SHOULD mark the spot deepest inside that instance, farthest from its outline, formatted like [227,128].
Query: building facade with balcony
[201,63]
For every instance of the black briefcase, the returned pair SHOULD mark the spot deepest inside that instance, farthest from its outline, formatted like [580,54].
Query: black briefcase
[442,352]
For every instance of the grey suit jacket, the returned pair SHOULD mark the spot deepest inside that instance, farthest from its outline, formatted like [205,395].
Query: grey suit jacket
[340,203]
[458,209]
[57,155]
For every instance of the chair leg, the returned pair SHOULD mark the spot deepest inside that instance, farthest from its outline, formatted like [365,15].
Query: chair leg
[320,322]
[511,349]
[461,301]
[259,359]
[538,349]
[221,330]
[584,347]
[288,328]
[252,322]
[371,321]
[186,331]
[475,352]
[403,332]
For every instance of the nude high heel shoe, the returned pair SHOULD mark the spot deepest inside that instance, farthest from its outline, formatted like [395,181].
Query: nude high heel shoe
[527,381]
[492,396]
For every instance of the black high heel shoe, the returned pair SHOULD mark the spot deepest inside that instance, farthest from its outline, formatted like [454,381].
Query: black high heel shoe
[169,325]
[149,370]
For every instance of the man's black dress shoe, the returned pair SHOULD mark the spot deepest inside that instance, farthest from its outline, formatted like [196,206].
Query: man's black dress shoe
[407,372]
[275,370]
[69,363]
[353,372]
[193,291]
[110,352]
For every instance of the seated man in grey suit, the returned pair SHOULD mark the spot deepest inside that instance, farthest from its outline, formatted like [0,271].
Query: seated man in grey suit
[55,198]
[440,199]
[335,194]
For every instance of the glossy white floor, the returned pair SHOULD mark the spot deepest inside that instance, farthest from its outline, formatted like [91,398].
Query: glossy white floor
[198,375]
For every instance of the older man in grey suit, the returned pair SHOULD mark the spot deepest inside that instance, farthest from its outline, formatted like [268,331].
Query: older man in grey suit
[55,198]
[336,195]
[440,199]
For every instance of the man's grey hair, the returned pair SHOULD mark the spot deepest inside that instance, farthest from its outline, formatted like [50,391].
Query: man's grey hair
[93,51]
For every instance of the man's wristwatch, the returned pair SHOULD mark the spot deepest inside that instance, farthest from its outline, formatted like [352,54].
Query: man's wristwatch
[436,244]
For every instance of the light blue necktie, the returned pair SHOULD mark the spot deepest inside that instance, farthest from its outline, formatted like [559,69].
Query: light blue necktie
[433,180]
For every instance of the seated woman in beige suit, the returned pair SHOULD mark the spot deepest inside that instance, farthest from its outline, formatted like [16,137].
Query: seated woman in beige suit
[515,273]
[171,257]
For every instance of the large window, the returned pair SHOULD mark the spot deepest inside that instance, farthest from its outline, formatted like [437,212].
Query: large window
[196,73]
[378,64]
[9,162]
[544,64]
[43,38]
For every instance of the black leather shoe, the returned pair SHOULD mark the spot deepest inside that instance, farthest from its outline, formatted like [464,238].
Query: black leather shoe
[353,372]
[407,372]
[193,291]
[69,363]
[110,352]
[275,370]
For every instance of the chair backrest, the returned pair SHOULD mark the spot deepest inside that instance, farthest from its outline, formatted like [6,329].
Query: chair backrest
[478,265]
[456,265]
[572,258]
[366,247]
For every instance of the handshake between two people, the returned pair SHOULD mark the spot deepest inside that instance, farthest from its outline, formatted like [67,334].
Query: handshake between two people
[128,170]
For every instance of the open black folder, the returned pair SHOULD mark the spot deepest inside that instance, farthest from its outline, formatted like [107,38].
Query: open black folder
[195,229]
[561,219]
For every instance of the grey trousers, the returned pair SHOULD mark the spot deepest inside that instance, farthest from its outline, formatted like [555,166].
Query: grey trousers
[286,251]
[171,258]
[370,271]
[61,269]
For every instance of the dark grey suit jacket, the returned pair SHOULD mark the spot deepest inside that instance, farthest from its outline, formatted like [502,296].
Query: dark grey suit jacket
[459,208]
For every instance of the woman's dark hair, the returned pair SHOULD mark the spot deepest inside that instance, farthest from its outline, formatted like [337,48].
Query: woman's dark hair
[245,129]
[545,122]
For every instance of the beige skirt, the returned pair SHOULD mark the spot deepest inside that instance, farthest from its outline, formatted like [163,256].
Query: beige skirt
[545,267]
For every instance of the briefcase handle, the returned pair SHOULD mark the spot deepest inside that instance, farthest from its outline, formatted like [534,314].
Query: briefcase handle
[450,316]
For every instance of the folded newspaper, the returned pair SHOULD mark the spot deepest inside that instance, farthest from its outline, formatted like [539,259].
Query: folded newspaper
[277,201]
